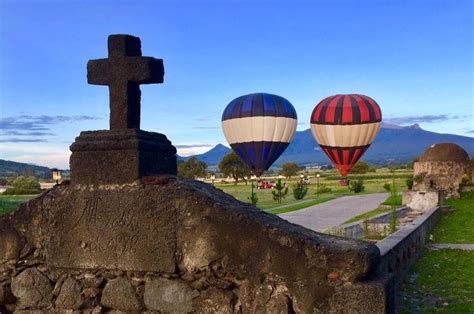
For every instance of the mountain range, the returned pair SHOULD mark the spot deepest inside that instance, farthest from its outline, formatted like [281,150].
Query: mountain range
[393,145]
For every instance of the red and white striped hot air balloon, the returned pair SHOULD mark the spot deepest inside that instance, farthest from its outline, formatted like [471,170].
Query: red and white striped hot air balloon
[345,126]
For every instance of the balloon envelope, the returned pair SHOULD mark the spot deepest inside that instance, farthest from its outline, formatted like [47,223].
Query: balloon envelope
[345,126]
[259,127]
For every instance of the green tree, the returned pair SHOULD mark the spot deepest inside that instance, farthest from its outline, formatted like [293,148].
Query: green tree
[24,185]
[231,165]
[360,167]
[289,169]
[192,168]
[280,193]
[356,185]
[253,198]
[299,191]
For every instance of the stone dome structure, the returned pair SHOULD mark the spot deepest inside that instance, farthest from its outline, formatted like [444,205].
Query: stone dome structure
[445,152]
[441,168]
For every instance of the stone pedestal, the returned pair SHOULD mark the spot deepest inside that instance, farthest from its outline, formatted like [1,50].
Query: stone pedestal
[120,156]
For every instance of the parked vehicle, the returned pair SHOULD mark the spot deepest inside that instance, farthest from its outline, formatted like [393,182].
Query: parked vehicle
[262,185]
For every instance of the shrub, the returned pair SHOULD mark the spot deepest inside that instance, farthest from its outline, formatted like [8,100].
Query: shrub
[357,185]
[393,220]
[465,180]
[360,167]
[419,178]
[253,198]
[409,183]
[24,185]
[324,189]
[281,190]
[387,187]
[299,191]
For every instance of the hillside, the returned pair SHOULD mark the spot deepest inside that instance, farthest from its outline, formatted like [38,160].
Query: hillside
[13,168]
[394,144]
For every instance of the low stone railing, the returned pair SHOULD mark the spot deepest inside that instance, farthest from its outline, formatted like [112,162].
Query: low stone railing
[402,248]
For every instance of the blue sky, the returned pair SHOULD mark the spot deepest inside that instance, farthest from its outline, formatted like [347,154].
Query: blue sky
[415,58]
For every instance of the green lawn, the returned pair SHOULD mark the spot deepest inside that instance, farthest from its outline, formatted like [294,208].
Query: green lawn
[457,226]
[441,281]
[10,202]
[391,200]
[368,215]
[265,198]
[300,205]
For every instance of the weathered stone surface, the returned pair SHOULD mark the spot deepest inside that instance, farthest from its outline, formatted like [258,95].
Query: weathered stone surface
[11,243]
[103,228]
[119,294]
[123,71]
[70,296]
[32,289]
[6,295]
[168,296]
[120,156]
[179,226]
[268,297]
[214,301]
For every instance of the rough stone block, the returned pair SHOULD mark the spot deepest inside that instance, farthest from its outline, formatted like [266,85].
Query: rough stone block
[214,300]
[70,296]
[11,243]
[168,296]
[32,289]
[120,156]
[119,294]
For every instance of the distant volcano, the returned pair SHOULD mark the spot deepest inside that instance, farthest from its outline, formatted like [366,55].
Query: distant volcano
[393,144]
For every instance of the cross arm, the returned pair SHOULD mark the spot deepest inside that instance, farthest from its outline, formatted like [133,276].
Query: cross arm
[145,70]
[98,72]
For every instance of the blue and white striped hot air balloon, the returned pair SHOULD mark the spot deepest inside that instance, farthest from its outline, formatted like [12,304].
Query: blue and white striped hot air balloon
[259,127]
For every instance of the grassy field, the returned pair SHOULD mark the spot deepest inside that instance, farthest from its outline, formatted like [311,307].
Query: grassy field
[441,281]
[10,202]
[373,184]
[457,226]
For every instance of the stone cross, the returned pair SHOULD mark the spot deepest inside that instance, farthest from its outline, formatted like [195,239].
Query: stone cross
[123,71]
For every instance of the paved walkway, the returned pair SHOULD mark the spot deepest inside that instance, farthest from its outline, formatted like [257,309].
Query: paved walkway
[454,246]
[335,212]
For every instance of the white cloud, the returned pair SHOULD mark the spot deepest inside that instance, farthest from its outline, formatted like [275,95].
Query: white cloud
[194,150]
[43,155]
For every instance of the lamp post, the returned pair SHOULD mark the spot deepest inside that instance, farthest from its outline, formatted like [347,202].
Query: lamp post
[317,177]
[56,174]
[213,177]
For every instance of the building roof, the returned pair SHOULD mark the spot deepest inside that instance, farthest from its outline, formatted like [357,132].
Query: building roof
[445,152]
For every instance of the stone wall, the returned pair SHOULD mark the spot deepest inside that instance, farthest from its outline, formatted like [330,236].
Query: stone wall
[402,248]
[167,244]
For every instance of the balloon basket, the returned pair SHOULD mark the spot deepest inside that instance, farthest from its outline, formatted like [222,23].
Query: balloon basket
[343,182]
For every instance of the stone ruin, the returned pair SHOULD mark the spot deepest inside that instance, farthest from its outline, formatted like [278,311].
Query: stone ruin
[442,167]
[437,174]
[127,235]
